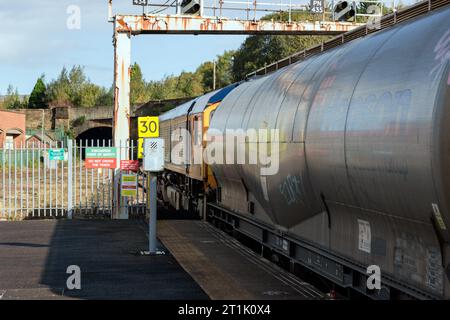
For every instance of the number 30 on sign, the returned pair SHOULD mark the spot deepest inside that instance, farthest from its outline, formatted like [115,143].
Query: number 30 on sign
[148,127]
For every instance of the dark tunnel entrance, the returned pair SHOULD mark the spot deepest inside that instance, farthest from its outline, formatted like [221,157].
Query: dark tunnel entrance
[94,137]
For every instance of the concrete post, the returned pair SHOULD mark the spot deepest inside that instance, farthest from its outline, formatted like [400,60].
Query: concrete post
[121,120]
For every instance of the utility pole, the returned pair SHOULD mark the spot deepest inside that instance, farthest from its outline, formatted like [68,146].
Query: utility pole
[214,74]
[323,9]
[42,125]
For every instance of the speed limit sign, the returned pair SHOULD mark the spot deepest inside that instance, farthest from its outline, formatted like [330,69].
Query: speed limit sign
[148,127]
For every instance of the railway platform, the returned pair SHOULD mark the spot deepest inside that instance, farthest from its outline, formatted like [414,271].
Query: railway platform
[35,255]
[226,269]
[200,263]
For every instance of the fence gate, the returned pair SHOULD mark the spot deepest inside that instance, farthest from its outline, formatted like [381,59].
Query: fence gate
[49,180]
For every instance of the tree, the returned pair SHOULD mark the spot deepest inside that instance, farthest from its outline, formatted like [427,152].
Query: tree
[12,99]
[58,90]
[73,88]
[138,87]
[90,94]
[78,82]
[258,51]
[189,85]
[38,97]
[224,71]
[373,9]
[106,97]
[163,89]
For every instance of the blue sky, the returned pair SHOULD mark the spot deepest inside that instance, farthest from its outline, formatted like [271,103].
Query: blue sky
[34,39]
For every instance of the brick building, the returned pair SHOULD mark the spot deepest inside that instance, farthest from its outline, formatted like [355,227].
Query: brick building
[12,129]
[38,141]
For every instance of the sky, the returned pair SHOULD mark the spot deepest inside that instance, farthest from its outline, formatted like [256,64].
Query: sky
[35,40]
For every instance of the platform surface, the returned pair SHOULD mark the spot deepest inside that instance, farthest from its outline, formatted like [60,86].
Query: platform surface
[226,269]
[34,256]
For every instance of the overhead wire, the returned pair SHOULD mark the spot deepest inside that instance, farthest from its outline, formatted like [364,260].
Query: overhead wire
[163,7]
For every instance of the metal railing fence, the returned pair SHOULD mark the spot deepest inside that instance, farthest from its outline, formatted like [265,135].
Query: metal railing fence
[34,186]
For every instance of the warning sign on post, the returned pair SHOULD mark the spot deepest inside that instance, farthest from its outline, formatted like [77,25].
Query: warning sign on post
[130,165]
[148,127]
[101,157]
[140,148]
[128,187]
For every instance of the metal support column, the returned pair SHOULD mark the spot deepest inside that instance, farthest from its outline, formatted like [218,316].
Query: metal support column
[121,120]
[152,213]
[201,8]
[70,169]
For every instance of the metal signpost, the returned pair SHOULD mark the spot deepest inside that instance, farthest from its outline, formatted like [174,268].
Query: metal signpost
[153,163]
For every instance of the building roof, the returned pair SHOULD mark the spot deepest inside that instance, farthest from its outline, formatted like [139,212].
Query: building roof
[38,135]
[13,111]
[178,111]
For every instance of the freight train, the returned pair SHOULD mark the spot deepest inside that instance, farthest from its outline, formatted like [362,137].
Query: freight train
[364,160]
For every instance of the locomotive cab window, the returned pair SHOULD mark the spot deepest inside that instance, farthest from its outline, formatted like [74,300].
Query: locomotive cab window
[197,125]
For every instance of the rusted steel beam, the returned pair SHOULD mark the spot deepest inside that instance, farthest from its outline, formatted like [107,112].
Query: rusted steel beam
[179,24]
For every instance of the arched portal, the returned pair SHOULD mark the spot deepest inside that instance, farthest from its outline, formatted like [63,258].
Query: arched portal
[97,133]
[94,137]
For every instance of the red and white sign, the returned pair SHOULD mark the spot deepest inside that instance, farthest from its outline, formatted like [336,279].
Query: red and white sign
[131,165]
[94,163]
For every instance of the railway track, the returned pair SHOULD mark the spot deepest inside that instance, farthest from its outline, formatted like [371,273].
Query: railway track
[289,279]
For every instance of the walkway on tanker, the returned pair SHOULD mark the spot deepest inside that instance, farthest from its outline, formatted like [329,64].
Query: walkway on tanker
[225,268]
[35,254]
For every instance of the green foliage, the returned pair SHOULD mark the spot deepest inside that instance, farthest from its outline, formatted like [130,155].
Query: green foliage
[69,133]
[106,97]
[73,88]
[189,84]
[91,94]
[296,15]
[58,90]
[78,121]
[224,71]
[258,51]
[139,93]
[38,97]
[370,8]
[12,99]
